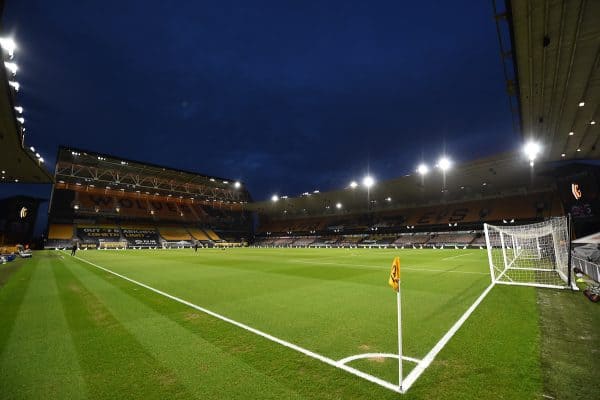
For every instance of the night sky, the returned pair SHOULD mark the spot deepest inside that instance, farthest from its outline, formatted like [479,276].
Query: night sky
[286,96]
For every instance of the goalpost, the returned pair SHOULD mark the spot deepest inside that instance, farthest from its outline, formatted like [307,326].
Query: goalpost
[531,255]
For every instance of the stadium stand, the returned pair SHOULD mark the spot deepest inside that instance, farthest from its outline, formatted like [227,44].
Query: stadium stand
[174,233]
[452,238]
[212,235]
[304,241]
[145,205]
[199,234]
[59,236]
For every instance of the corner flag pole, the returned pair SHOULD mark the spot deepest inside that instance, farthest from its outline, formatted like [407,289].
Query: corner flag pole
[399,337]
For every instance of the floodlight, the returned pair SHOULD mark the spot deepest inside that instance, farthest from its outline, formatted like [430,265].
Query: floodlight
[353,184]
[8,45]
[41,159]
[338,205]
[531,150]
[237,185]
[571,133]
[423,169]
[388,199]
[581,103]
[21,120]
[19,109]
[32,149]
[444,163]
[592,122]
[274,198]
[15,85]
[11,66]
[368,181]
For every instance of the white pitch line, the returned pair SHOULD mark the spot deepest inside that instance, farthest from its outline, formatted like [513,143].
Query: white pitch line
[420,368]
[460,255]
[374,355]
[326,360]
[385,268]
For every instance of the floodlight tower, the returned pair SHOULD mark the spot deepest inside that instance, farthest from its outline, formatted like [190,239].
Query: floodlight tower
[422,170]
[368,181]
[444,164]
[531,150]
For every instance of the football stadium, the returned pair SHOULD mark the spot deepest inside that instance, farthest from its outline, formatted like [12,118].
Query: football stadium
[475,279]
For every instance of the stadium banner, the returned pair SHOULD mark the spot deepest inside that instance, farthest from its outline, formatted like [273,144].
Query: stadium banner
[141,237]
[96,233]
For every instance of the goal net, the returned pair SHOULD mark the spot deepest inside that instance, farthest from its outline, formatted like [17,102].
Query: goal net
[530,255]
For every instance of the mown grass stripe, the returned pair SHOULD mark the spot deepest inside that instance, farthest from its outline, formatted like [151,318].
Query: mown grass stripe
[12,293]
[204,369]
[39,359]
[113,362]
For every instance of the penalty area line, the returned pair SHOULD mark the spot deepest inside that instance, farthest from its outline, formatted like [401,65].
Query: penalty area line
[312,354]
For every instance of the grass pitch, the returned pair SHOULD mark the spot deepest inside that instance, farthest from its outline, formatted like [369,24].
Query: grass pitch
[69,330]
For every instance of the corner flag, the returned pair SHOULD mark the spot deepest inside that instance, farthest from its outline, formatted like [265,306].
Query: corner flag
[394,280]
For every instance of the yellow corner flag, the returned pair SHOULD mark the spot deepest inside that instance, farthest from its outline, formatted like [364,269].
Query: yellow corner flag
[394,280]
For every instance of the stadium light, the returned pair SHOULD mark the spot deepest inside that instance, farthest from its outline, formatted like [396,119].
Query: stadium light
[368,181]
[19,109]
[444,163]
[581,103]
[237,185]
[41,159]
[353,184]
[531,150]
[338,205]
[21,120]
[9,45]
[15,85]
[12,67]
[274,198]
[423,169]
[32,149]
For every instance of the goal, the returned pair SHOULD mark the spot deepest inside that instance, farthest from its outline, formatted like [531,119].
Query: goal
[530,255]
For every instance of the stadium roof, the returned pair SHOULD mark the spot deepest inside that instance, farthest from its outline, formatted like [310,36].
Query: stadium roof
[557,47]
[491,177]
[20,164]
[85,167]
